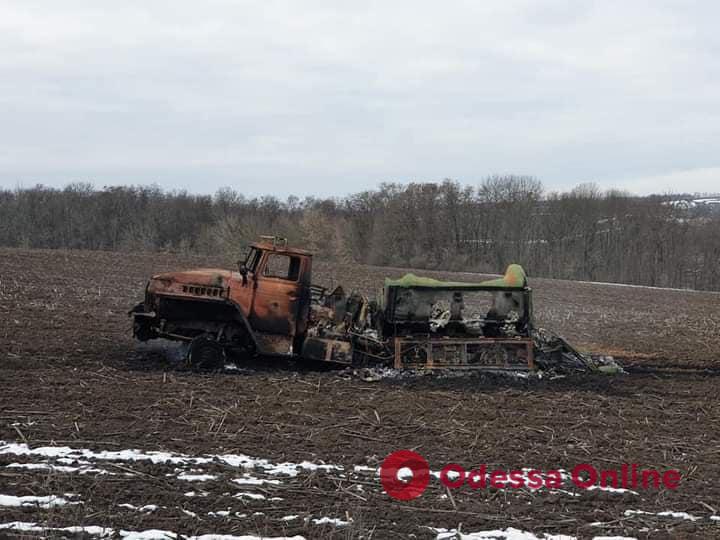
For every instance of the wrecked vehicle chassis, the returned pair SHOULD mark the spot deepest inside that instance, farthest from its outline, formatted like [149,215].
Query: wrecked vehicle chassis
[269,307]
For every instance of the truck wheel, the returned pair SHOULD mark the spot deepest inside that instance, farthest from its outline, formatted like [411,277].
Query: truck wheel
[206,354]
[143,332]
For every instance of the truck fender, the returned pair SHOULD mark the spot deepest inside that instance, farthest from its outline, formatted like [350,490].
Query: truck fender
[242,320]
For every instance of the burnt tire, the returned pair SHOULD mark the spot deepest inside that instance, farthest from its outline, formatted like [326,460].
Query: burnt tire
[206,354]
[143,331]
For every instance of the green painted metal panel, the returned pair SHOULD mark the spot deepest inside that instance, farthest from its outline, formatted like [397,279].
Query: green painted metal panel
[514,278]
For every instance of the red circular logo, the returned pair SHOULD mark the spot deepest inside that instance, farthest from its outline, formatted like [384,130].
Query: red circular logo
[404,462]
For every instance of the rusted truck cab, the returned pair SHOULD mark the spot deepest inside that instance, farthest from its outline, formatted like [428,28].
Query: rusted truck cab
[274,294]
[260,308]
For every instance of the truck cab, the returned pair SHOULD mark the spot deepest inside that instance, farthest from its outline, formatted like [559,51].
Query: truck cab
[274,293]
[260,308]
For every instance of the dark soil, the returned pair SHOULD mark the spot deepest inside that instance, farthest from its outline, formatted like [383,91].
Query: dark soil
[70,375]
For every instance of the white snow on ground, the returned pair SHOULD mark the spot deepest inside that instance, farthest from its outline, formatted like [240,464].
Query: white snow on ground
[286,468]
[515,534]
[248,480]
[610,489]
[48,501]
[147,508]
[234,460]
[34,527]
[74,455]
[245,537]
[244,495]
[58,468]
[512,533]
[150,534]
[196,477]
[676,515]
[65,452]
[330,521]
[196,494]
[190,468]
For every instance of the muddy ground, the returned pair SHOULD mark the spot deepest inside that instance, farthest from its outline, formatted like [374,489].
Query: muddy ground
[70,376]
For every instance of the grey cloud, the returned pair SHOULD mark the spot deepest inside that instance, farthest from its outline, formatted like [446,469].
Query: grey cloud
[332,97]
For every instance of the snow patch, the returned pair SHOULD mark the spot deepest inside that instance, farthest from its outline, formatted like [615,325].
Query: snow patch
[510,533]
[245,495]
[675,515]
[147,508]
[150,534]
[330,521]
[286,468]
[48,501]
[92,530]
[244,537]
[365,468]
[57,468]
[234,460]
[195,494]
[196,477]
[219,513]
[248,480]
[612,489]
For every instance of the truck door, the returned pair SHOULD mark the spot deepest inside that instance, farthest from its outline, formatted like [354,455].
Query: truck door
[277,294]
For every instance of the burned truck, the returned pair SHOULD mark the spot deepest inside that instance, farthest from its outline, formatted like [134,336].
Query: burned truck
[269,306]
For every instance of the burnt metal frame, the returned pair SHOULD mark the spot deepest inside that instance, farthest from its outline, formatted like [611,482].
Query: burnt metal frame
[427,341]
[427,344]
[526,291]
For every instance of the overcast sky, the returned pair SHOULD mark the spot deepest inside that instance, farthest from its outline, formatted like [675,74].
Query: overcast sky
[333,97]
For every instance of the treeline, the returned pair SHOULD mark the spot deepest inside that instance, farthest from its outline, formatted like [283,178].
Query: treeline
[581,234]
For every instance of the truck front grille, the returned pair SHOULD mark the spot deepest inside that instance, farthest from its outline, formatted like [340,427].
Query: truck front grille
[213,292]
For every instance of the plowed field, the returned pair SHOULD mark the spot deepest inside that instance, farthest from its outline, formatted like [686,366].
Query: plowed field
[101,436]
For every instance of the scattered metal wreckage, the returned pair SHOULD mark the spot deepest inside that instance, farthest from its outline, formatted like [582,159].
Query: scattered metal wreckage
[269,306]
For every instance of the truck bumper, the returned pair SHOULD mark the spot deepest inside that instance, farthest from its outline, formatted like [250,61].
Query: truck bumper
[144,322]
